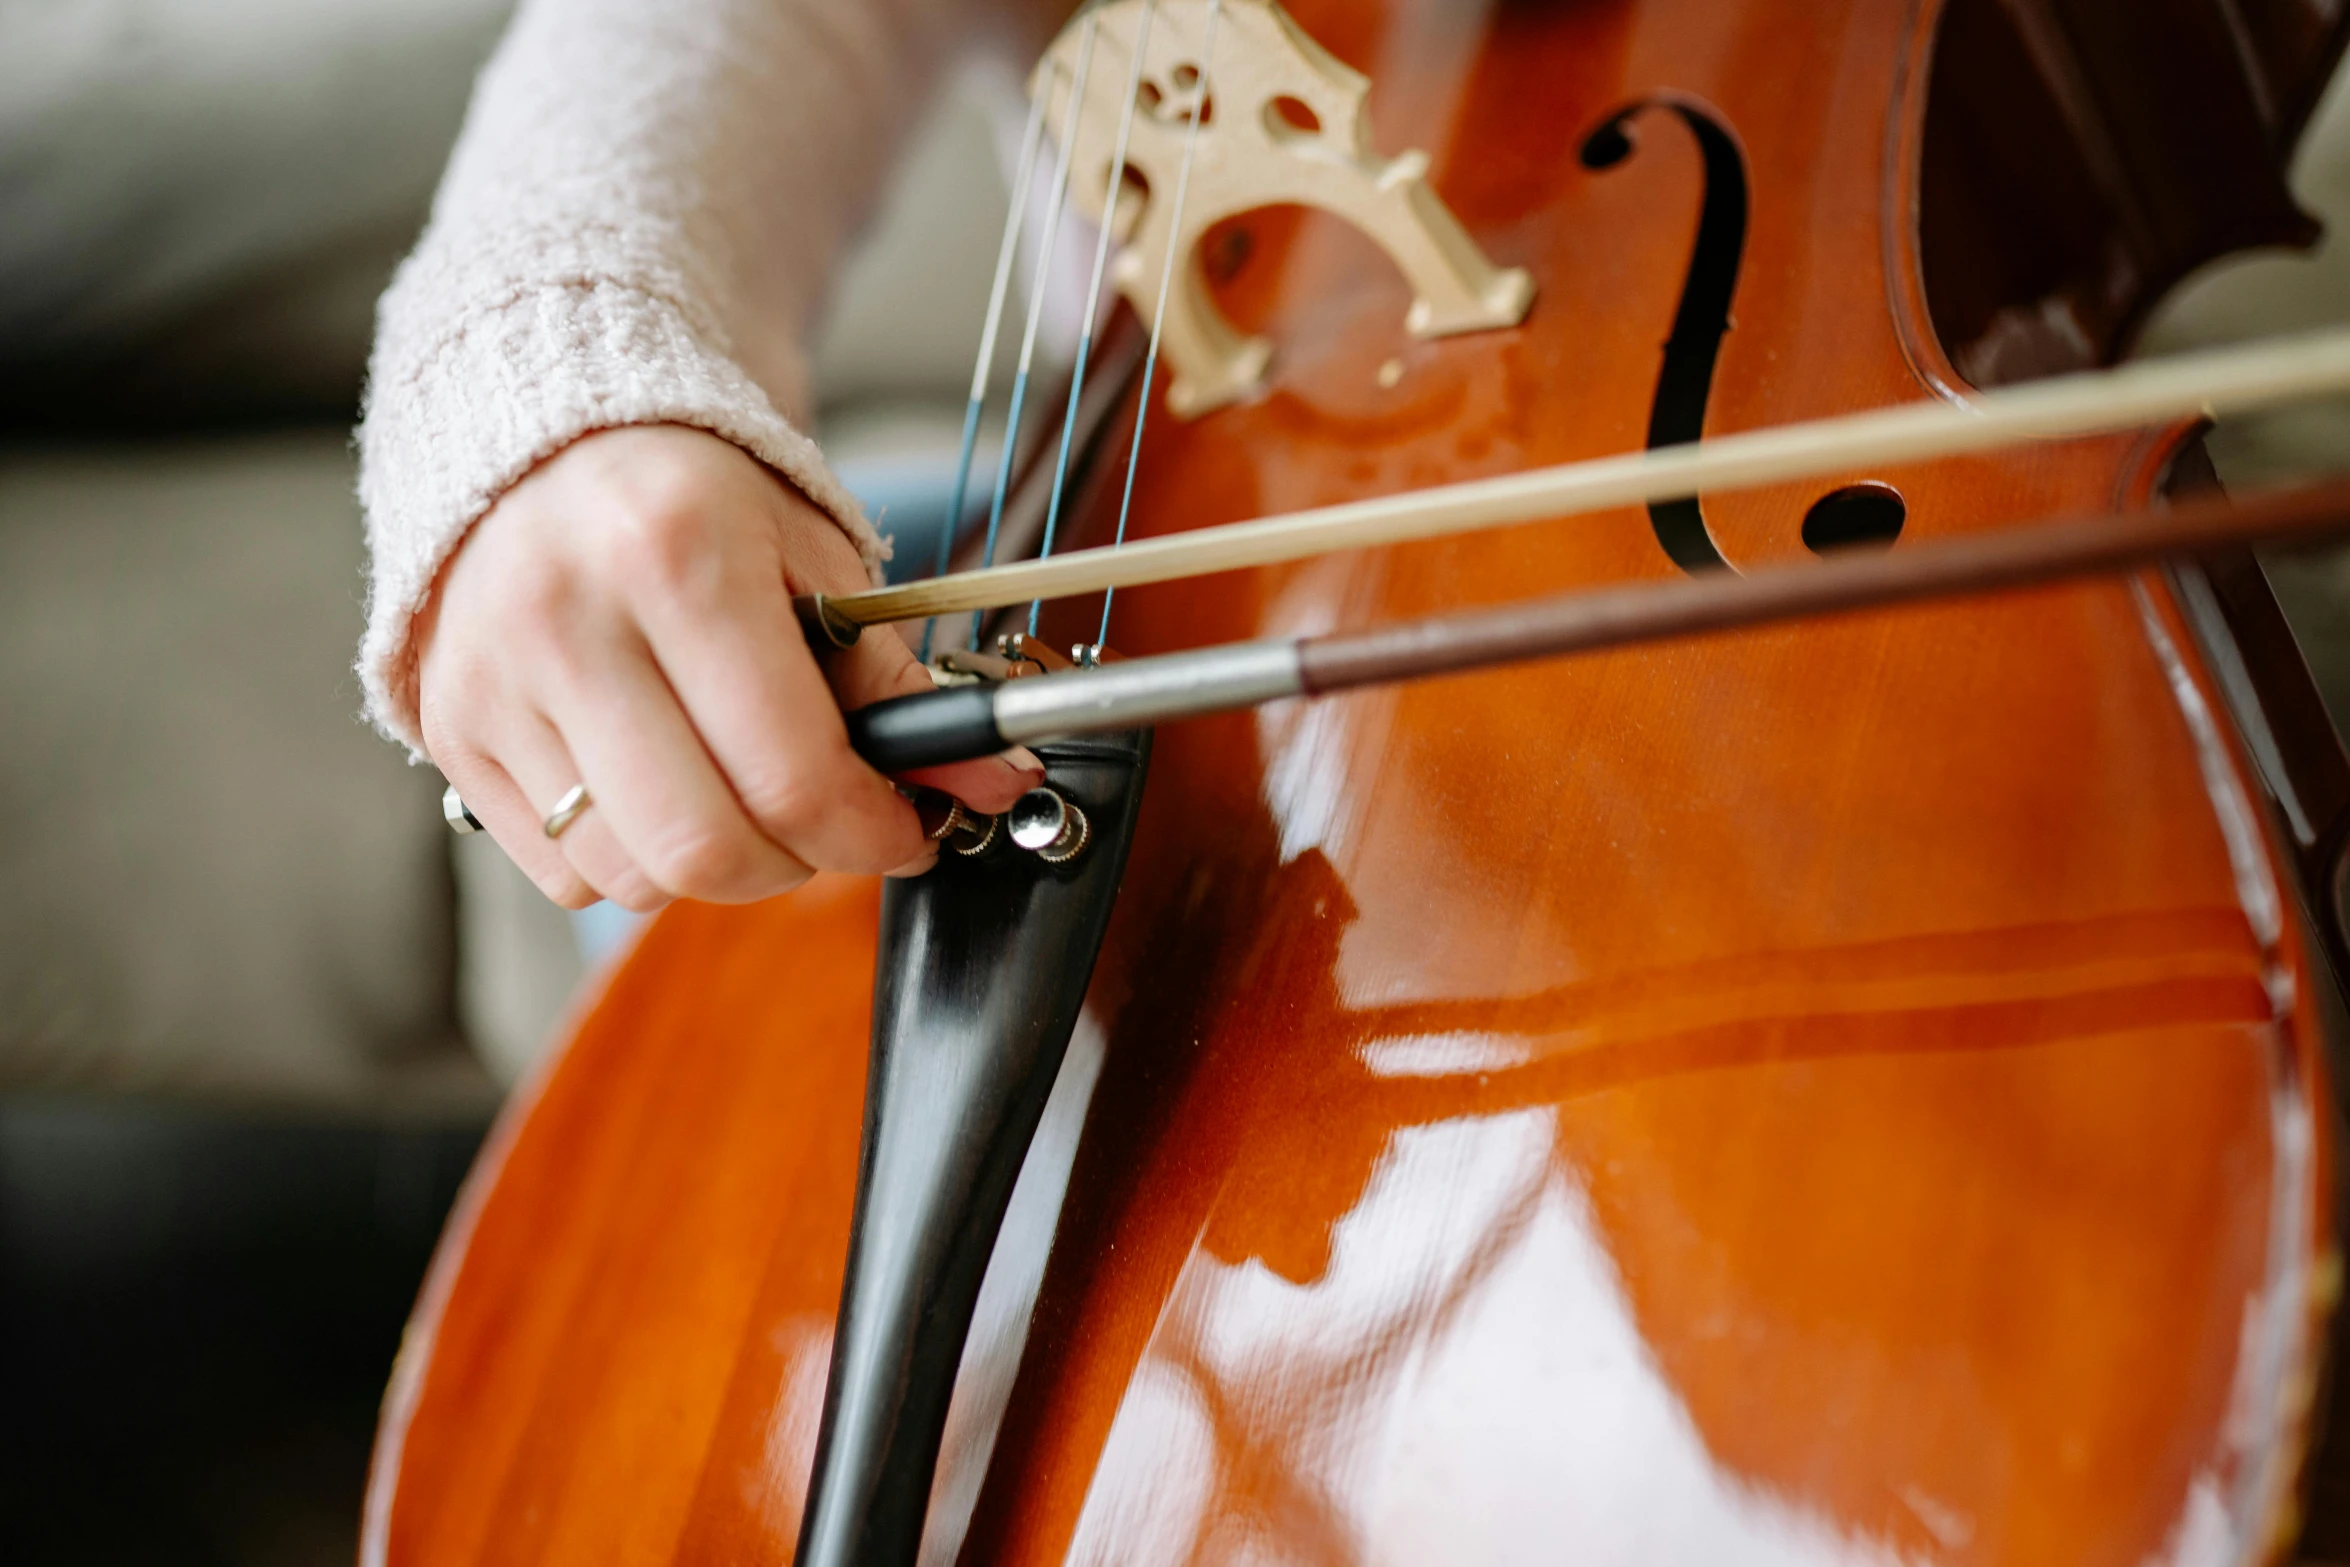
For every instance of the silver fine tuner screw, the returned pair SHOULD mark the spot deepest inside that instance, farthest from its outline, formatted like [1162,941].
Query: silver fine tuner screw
[1048,826]
[966,831]
[977,837]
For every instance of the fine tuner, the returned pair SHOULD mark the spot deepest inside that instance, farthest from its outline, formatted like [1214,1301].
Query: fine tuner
[1043,821]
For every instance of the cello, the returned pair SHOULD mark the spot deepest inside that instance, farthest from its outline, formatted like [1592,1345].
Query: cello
[1847,1091]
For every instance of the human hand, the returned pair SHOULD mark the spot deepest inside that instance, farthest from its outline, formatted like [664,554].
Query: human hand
[622,618]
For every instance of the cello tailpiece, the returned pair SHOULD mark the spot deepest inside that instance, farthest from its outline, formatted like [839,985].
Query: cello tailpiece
[982,967]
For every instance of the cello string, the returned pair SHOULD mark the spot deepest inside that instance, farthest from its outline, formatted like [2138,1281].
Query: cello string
[1093,288]
[998,293]
[1044,269]
[1150,363]
[2212,384]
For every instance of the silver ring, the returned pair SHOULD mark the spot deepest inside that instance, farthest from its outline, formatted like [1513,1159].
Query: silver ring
[454,811]
[567,810]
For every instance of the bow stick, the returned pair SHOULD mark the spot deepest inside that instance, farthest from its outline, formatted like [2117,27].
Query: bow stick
[970,721]
[2208,385]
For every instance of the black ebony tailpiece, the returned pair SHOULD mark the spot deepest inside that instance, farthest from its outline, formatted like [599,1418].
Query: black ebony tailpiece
[982,967]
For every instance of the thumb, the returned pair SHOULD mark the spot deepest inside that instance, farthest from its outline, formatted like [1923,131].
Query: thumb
[816,555]
[882,666]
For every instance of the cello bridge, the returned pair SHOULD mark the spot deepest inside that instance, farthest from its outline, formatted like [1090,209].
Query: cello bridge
[1280,123]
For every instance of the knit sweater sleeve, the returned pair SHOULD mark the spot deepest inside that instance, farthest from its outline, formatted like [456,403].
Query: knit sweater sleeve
[639,217]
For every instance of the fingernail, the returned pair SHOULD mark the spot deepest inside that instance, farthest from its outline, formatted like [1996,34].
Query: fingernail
[1023,761]
[914,868]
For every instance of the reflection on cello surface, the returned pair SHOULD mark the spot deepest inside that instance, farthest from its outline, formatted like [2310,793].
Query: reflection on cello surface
[1454,1260]
[1849,1091]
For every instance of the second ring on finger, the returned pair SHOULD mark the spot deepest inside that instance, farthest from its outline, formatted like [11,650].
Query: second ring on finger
[569,809]
[542,766]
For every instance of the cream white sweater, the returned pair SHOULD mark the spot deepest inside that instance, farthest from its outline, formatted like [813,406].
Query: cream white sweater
[645,204]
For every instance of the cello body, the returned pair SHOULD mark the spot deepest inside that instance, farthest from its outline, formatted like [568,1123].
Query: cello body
[1850,1092]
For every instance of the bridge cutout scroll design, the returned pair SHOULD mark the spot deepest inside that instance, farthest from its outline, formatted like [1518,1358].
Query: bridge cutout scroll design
[1281,124]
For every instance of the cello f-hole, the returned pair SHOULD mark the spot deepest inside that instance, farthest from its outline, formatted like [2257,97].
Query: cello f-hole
[1868,513]
[1685,381]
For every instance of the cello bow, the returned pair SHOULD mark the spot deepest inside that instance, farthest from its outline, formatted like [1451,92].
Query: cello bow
[961,722]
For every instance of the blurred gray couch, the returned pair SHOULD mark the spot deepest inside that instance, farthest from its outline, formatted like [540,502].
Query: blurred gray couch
[215,882]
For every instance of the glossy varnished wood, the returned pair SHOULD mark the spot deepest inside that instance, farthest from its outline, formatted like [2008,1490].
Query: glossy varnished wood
[1847,1092]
